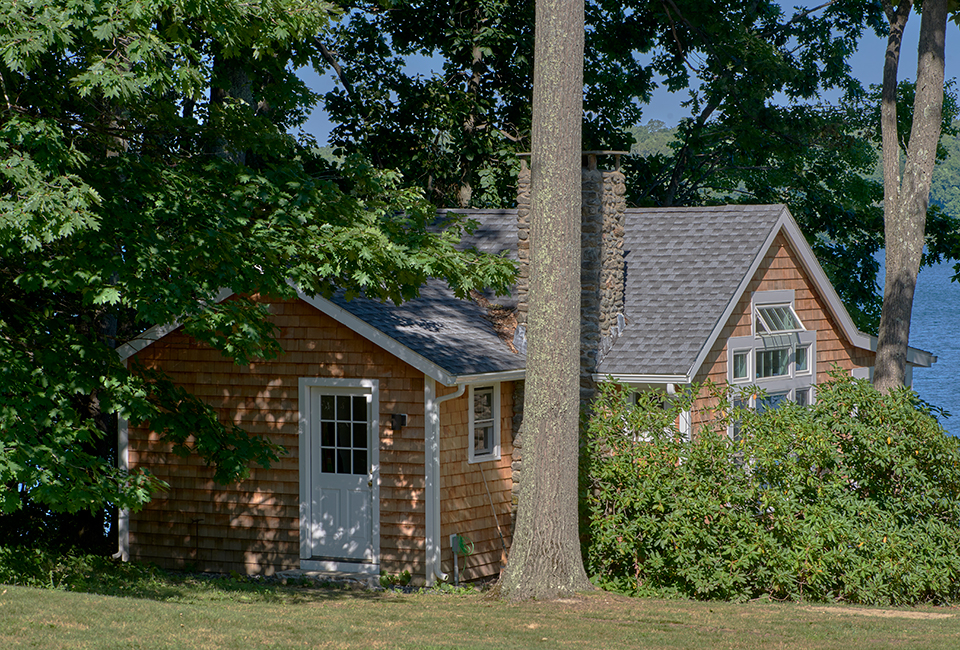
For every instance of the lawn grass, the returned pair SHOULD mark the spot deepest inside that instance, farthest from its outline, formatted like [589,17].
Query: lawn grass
[187,612]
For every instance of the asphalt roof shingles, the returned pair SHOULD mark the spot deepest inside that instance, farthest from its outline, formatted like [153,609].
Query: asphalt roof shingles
[451,333]
[683,266]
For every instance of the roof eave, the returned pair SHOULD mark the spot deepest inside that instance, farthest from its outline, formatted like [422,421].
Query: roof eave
[915,356]
[361,327]
[634,378]
[490,377]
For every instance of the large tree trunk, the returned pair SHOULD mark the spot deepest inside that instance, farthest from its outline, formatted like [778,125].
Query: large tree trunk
[906,197]
[545,558]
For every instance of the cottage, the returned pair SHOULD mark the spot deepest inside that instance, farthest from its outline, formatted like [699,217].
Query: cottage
[397,422]
[402,422]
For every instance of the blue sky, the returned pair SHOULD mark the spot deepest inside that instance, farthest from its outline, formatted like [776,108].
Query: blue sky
[867,66]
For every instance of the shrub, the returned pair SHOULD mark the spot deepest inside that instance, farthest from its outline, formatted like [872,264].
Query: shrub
[71,571]
[855,498]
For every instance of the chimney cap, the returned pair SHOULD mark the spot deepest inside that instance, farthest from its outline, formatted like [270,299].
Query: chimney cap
[589,157]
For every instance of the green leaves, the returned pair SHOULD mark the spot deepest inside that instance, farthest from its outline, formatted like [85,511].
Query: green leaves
[145,167]
[855,498]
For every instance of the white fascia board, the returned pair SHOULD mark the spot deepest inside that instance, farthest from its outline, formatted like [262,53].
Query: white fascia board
[157,332]
[819,277]
[915,356]
[374,335]
[491,377]
[738,293]
[625,378]
[146,339]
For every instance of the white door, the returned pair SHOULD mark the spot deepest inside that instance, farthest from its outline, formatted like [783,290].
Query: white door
[341,526]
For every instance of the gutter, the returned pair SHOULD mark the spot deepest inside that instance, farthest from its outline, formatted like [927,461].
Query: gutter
[432,475]
[627,378]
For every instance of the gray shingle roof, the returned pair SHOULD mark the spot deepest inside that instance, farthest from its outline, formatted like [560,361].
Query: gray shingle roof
[451,333]
[496,231]
[683,267]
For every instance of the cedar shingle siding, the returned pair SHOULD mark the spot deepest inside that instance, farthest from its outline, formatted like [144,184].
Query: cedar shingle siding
[779,270]
[465,505]
[253,526]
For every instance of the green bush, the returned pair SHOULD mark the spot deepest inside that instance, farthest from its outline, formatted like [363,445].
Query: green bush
[55,569]
[856,498]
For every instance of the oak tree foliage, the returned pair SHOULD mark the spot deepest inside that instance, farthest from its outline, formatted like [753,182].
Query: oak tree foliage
[756,129]
[144,166]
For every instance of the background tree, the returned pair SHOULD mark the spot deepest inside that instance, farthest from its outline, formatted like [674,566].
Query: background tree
[545,558]
[907,193]
[144,165]
[456,133]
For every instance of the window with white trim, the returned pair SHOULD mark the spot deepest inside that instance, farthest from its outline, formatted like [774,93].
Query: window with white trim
[779,356]
[484,442]
[741,365]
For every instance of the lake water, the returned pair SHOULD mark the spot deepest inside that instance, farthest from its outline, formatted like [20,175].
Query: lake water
[935,327]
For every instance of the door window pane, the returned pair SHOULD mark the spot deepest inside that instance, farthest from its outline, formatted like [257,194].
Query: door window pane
[343,461]
[344,434]
[359,408]
[326,407]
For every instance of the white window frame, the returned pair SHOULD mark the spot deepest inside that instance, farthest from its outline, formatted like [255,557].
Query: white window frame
[758,319]
[749,353]
[494,453]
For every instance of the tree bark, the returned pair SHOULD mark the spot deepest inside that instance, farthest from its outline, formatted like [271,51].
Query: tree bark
[906,196]
[231,81]
[545,560]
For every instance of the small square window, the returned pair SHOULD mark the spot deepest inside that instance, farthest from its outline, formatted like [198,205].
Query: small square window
[802,397]
[741,361]
[484,443]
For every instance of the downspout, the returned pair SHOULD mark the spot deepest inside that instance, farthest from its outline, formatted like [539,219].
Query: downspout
[123,516]
[432,471]
[123,463]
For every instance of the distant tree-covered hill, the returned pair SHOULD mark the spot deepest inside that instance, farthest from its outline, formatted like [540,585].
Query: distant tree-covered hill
[655,137]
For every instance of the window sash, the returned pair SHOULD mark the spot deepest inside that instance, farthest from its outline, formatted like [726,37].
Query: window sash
[741,362]
[484,435]
[801,362]
[773,363]
[777,319]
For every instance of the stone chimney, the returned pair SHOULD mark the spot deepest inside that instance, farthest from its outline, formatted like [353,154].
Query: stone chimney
[603,207]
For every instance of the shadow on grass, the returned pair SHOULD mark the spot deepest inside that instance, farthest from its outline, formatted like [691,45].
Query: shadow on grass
[151,583]
[109,577]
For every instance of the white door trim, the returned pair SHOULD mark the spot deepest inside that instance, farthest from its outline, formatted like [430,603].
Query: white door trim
[372,388]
